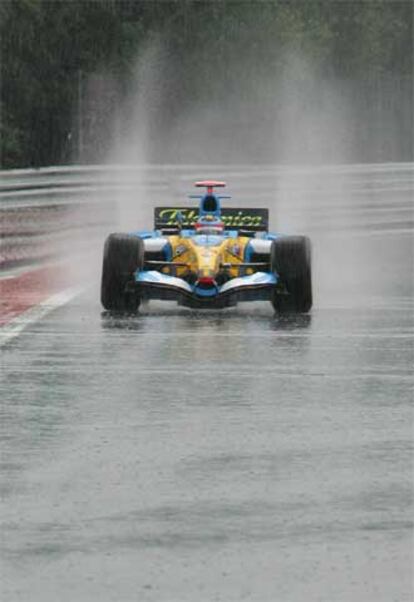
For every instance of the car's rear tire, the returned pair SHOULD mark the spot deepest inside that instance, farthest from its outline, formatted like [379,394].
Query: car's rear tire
[123,255]
[290,258]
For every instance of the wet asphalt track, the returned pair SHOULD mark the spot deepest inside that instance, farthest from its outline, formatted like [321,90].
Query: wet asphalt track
[179,456]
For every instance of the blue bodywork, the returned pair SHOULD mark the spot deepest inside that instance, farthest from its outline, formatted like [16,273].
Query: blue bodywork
[259,278]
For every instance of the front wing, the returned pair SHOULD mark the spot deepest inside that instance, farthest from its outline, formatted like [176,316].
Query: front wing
[152,284]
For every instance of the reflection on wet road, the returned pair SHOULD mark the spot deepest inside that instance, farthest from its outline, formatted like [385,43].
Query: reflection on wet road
[181,456]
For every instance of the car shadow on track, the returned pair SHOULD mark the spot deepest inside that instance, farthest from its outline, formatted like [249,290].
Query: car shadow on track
[196,319]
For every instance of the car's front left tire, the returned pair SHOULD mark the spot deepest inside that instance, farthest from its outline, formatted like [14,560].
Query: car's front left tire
[290,259]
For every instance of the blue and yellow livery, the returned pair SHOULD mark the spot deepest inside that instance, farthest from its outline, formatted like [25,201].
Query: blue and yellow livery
[212,257]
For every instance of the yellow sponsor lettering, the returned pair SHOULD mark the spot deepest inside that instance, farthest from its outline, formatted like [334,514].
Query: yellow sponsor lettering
[240,218]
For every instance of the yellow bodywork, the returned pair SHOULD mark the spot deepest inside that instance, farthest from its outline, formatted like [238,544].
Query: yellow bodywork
[190,255]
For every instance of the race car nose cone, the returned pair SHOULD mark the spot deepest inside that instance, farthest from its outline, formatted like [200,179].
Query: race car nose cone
[206,281]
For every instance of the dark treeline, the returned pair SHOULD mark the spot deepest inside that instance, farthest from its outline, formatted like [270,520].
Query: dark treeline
[67,66]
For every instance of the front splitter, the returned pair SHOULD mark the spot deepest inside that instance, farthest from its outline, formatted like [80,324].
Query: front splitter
[152,291]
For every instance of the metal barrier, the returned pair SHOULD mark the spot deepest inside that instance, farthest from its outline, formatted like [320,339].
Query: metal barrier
[45,213]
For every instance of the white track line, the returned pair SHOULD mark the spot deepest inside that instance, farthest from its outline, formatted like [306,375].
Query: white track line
[13,328]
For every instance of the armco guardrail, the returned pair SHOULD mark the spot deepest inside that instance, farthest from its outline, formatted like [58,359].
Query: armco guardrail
[44,213]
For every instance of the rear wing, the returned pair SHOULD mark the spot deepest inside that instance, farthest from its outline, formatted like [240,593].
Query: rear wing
[252,220]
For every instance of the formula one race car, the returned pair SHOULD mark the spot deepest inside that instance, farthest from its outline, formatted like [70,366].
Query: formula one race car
[207,258]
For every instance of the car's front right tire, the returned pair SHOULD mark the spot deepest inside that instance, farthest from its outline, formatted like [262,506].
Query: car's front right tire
[123,255]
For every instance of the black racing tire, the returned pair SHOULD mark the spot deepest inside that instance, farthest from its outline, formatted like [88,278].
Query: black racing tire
[123,255]
[290,258]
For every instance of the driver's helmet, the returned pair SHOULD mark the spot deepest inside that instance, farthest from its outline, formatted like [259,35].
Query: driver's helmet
[209,224]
